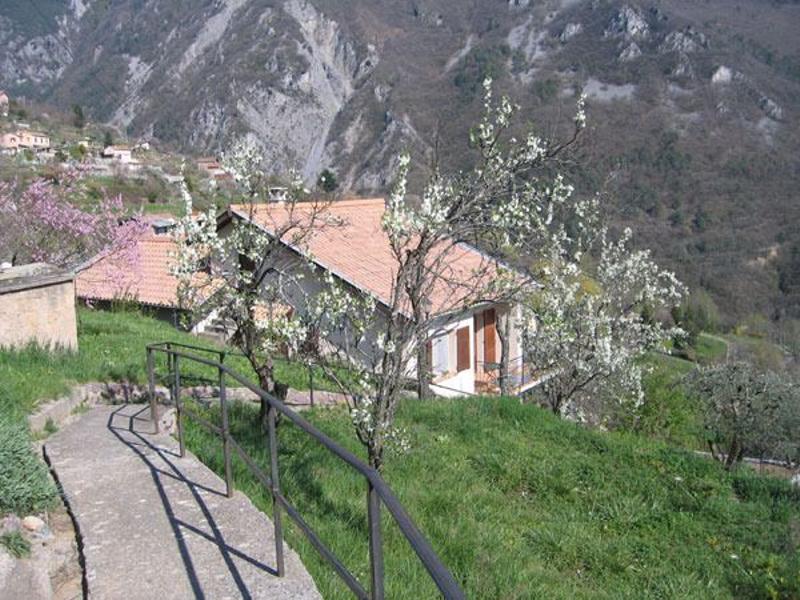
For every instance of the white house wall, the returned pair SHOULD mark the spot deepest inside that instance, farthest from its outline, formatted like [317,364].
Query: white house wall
[457,384]
[454,384]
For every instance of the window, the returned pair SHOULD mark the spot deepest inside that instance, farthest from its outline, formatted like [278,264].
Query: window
[440,355]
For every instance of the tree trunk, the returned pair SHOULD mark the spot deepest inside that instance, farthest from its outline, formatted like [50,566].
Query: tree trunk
[267,383]
[555,401]
[734,454]
[713,449]
[375,457]
[504,333]
[423,372]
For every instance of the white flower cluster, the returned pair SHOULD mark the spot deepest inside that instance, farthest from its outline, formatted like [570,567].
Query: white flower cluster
[401,221]
[589,331]
[580,114]
[243,162]
[363,416]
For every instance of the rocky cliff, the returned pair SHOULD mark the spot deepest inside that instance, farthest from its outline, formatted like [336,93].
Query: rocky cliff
[693,106]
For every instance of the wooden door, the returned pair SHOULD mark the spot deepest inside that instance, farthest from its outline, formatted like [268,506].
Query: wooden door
[489,336]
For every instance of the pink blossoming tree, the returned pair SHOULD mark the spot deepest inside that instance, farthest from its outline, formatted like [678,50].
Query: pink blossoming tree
[55,222]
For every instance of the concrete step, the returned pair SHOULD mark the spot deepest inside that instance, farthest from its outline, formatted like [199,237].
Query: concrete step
[154,525]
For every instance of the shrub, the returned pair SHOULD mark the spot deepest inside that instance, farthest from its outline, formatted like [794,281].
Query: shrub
[668,412]
[746,412]
[25,485]
[327,181]
[755,325]
[477,65]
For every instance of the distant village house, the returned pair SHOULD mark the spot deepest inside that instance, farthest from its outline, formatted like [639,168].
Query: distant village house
[4,103]
[215,171]
[24,139]
[122,154]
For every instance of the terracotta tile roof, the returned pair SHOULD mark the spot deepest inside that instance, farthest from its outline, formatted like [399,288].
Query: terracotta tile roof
[348,240]
[153,284]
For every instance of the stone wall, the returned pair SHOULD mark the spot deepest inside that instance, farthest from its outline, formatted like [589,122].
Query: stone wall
[37,304]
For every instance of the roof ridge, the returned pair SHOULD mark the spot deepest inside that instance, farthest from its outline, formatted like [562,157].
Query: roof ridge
[321,205]
[358,202]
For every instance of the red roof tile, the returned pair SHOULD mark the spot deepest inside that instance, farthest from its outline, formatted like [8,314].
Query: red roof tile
[349,241]
[153,284]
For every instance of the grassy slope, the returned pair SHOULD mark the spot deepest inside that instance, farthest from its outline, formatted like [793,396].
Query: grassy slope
[670,415]
[710,348]
[111,348]
[520,504]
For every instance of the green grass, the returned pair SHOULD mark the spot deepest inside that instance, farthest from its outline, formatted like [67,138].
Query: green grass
[162,208]
[112,348]
[25,486]
[710,349]
[17,546]
[520,504]
[672,366]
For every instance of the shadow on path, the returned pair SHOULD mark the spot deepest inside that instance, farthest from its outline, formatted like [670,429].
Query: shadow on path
[128,427]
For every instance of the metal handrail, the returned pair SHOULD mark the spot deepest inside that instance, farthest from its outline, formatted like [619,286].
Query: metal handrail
[378,492]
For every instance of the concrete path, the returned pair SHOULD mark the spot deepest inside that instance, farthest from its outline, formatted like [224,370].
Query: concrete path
[155,525]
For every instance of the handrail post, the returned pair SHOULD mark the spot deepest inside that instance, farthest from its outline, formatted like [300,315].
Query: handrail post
[375,542]
[311,385]
[226,446]
[275,480]
[151,389]
[178,411]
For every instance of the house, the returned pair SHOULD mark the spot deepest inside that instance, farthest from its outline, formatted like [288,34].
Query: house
[24,139]
[35,140]
[9,143]
[208,164]
[215,171]
[119,156]
[463,343]
[122,154]
[151,285]
[212,168]
[4,102]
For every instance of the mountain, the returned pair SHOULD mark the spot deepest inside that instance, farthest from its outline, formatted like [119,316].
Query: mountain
[693,106]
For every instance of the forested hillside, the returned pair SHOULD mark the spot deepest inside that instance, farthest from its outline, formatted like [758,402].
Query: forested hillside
[693,106]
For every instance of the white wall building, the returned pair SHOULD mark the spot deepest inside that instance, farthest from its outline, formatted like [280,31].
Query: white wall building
[464,348]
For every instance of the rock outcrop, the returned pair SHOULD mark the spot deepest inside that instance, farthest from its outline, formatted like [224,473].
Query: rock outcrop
[628,23]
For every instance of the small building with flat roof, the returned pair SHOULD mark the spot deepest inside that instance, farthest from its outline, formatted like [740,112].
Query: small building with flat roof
[37,305]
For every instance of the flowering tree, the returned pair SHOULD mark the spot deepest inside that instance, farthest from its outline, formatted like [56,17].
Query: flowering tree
[54,222]
[587,330]
[384,344]
[241,275]
[495,206]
